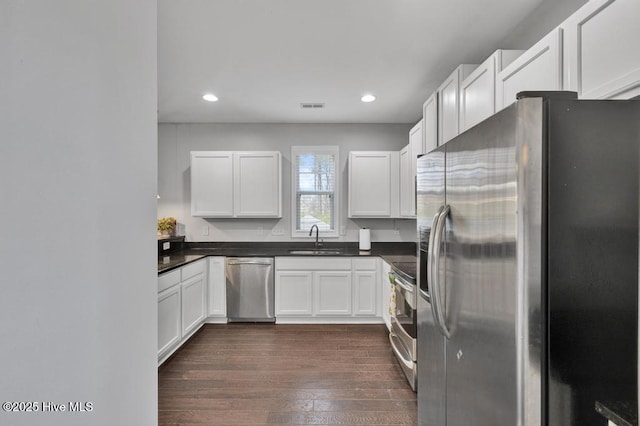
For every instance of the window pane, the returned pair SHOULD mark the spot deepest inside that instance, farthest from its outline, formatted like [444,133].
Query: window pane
[315,172]
[315,209]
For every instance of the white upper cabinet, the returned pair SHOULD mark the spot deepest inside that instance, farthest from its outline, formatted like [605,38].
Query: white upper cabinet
[539,68]
[211,184]
[449,103]
[602,50]
[478,90]
[257,184]
[408,167]
[236,184]
[430,123]
[373,184]
[405,181]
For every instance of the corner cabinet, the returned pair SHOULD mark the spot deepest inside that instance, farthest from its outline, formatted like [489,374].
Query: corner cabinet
[327,290]
[373,184]
[234,184]
[182,306]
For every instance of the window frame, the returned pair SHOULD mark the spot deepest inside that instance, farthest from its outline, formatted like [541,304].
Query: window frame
[310,149]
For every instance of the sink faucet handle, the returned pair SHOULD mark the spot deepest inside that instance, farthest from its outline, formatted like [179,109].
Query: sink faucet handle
[320,243]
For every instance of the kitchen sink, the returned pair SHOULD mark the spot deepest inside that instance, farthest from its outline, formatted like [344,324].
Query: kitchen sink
[317,252]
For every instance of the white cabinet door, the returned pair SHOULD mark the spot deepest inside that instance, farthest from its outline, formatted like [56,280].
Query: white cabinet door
[386,293]
[257,184]
[168,319]
[430,123]
[194,309]
[217,287]
[365,286]
[211,184]
[294,293]
[478,90]
[415,148]
[373,184]
[332,293]
[449,103]
[603,54]
[405,182]
[539,68]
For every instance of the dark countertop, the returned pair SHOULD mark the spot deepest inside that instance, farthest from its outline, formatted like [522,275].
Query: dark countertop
[622,413]
[391,252]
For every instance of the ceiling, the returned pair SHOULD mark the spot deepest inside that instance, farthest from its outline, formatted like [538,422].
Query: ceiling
[262,58]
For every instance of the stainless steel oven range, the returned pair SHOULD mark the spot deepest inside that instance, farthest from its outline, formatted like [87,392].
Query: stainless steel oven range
[403,331]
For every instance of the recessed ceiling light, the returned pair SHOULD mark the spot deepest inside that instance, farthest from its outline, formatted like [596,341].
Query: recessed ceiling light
[368,98]
[210,97]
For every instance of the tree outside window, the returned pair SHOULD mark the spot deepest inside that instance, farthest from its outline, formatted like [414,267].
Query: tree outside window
[314,181]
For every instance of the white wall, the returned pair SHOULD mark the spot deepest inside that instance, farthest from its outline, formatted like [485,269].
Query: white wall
[78,187]
[540,22]
[175,141]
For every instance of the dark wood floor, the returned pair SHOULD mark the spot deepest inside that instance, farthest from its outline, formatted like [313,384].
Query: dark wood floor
[246,374]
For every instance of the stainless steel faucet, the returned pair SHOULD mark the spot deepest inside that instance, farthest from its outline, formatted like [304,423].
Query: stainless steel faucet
[318,243]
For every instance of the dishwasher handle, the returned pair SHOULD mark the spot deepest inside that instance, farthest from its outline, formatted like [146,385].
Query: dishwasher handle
[249,262]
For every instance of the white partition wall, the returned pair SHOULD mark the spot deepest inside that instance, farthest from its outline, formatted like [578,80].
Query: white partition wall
[78,171]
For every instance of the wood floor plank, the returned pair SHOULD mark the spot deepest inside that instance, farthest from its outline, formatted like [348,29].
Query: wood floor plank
[252,374]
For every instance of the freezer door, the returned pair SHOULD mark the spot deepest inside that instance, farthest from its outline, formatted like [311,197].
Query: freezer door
[481,274]
[430,343]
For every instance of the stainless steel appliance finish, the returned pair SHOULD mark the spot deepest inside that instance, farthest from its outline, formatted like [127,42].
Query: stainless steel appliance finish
[403,331]
[528,269]
[250,289]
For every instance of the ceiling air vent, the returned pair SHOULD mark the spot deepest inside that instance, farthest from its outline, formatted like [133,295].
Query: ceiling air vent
[311,105]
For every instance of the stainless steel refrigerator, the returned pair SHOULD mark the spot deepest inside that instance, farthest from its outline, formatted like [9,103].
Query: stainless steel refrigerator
[528,265]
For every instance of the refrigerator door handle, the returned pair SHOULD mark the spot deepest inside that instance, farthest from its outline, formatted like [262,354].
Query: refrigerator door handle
[430,282]
[435,274]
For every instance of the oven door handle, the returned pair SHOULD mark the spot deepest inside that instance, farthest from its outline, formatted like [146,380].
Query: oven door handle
[406,287]
[398,352]
[426,296]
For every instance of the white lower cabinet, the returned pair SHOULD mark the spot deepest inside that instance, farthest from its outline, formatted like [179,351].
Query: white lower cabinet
[182,298]
[365,285]
[329,290]
[332,294]
[294,293]
[217,290]
[194,310]
[169,330]
[386,293]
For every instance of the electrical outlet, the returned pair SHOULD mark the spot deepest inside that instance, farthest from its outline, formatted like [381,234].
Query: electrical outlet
[343,230]
[260,230]
[277,231]
[205,230]
[396,232]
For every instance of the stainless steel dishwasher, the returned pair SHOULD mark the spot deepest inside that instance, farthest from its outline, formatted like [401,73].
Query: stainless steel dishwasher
[250,295]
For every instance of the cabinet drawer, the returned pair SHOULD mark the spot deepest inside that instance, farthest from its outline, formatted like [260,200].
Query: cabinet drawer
[315,264]
[365,264]
[192,269]
[168,280]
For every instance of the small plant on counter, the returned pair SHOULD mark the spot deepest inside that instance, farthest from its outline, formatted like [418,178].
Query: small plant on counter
[167,226]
